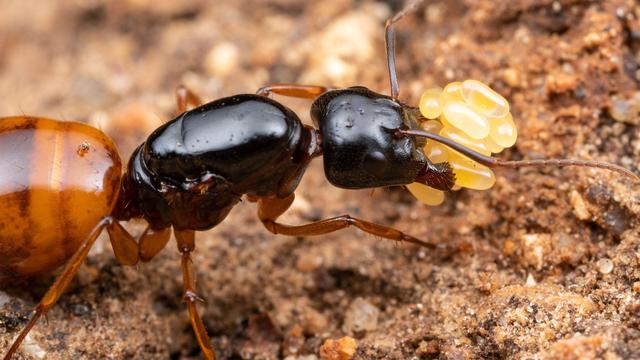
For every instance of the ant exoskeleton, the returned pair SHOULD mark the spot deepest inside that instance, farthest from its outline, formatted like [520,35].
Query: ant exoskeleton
[63,182]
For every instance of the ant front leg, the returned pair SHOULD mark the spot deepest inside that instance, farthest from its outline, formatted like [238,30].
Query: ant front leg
[185,240]
[293,90]
[269,209]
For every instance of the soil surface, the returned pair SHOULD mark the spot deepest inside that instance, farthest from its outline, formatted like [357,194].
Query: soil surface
[546,265]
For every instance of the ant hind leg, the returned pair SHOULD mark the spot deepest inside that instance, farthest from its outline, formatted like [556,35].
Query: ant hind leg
[61,283]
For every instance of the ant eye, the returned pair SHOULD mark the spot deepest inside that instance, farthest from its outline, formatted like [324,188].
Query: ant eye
[471,114]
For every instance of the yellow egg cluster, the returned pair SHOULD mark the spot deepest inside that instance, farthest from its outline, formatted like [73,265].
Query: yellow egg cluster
[471,114]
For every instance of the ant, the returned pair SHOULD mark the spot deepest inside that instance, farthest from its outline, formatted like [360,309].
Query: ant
[63,182]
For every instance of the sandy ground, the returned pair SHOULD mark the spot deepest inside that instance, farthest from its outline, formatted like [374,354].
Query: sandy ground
[546,265]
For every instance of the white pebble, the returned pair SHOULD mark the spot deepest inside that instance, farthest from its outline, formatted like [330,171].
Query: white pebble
[4,298]
[361,316]
[605,266]
[32,348]
[531,281]
[222,59]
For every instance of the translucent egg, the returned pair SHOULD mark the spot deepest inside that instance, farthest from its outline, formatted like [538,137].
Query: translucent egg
[482,98]
[463,117]
[431,126]
[503,131]
[426,194]
[462,139]
[491,145]
[430,106]
[435,152]
[470,174]
[473,115]
[452,92]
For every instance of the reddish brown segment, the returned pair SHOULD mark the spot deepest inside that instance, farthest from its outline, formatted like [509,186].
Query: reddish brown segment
[57,180]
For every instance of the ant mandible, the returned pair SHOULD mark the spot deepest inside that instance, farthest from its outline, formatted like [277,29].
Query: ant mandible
[69,185]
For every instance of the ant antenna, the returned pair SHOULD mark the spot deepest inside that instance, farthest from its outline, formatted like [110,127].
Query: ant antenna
[390,42]
[494,163]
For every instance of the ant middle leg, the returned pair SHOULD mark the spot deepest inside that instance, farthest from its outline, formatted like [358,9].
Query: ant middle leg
[269,209]
[185,240]
[294,90]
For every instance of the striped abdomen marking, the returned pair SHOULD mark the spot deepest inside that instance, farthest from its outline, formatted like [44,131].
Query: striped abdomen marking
[57,179]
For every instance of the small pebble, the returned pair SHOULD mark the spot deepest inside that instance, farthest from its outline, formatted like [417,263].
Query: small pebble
[626,110]
[580,209]
[222,59]
[511,76]
[4,298]
[361,316]
[31,347]
[341,349]
[531,281]
[605,266]
[301,357]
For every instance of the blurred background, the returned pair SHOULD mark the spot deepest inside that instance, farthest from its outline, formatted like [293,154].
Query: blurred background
[545,264]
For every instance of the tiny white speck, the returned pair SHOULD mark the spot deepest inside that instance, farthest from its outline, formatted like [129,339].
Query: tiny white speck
[4,298]
[33,348]
[605,266]
[531,281]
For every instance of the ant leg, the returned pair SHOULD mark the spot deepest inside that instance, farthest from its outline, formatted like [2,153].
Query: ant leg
[269,209]
[152,241]
[186,244]
[61,283]
[293,90]
[186,97]
[390,42]
[124,246]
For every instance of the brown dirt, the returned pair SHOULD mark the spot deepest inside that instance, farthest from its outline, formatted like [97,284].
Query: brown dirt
[547,263]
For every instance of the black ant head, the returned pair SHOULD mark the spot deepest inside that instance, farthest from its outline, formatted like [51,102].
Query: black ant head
[359,140]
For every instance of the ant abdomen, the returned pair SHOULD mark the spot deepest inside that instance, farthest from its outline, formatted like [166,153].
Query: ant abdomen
[50,169]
